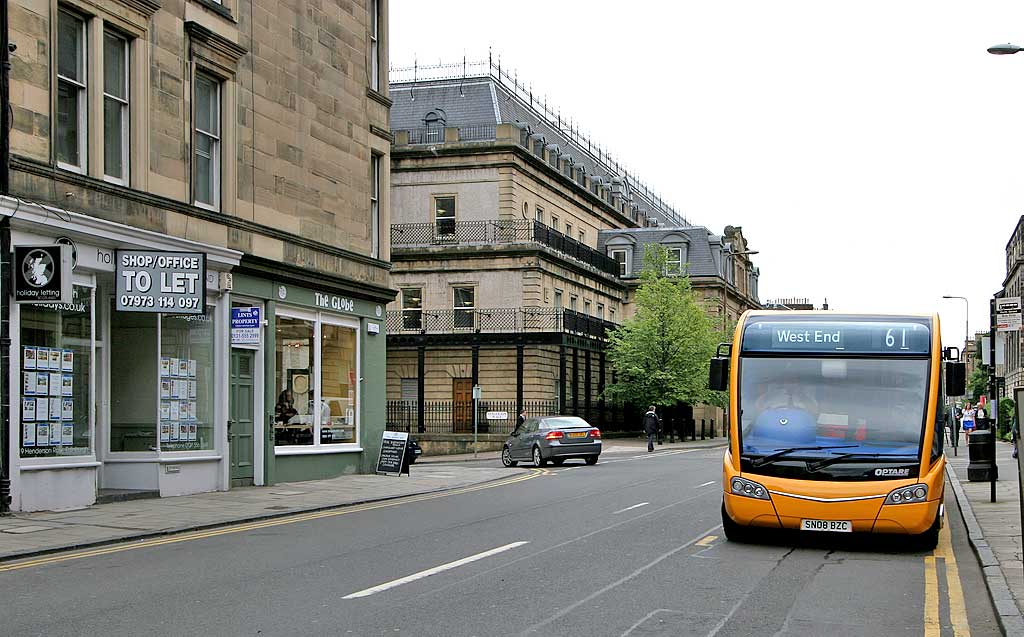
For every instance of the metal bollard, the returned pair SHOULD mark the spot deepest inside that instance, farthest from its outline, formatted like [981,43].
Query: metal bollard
[712,428]
[702,429]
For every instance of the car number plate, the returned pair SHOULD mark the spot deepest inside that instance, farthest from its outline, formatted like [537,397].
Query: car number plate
[577,434]
[835,526]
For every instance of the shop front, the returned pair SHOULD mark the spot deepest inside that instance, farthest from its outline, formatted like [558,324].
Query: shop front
[120,390]
[317,375]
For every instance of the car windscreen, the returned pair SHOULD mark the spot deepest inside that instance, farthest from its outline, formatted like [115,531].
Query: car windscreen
[567,422]
[856,406]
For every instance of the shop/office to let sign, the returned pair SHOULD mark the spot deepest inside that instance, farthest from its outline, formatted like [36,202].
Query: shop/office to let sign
[154,281]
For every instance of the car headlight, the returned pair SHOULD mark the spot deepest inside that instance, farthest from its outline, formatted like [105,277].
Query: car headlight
[908,495]
[748,489]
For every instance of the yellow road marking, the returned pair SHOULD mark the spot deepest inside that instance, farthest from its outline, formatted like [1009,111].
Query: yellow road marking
[707,541]
[931,598]
[957,605]
[251,526]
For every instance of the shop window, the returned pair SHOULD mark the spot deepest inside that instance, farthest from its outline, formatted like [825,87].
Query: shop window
[72,111]
[161,381]
[412,308]
[338,382]
[115,107]
[206,141]
[293,421]
[315,408]
[464,306]
[56,364]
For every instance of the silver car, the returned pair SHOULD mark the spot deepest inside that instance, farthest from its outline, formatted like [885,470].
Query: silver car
[554,439]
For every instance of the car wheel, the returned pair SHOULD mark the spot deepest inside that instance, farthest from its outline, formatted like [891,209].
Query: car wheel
[537,458]
[733,531]
[591,459]
[506,457]
[558,462]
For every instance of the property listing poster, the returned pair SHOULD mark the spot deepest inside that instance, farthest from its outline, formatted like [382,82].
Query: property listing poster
[47,400]
[178,410]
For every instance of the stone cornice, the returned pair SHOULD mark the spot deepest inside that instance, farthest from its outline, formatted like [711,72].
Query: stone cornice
[145,7]
[382,133]
[379,97]
[230,52]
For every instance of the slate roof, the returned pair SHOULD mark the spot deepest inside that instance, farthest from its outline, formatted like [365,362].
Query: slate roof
[483,100]
[703,251]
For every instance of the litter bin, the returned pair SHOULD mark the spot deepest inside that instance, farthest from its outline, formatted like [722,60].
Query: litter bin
[981,448]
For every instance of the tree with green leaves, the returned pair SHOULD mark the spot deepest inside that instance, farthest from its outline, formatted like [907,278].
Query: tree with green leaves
[977,384]
[661,355]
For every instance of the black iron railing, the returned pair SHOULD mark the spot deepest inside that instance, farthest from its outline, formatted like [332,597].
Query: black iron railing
[449,416]
[497,320]
[498,231]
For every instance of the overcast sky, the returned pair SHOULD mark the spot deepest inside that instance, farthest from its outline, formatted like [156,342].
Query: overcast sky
[873,152]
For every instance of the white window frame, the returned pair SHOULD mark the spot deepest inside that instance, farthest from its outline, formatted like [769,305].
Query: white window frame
[539,214]
[375,205]
[409,310]
[624,264]
[470,308]
[582,236]
[453,219]
[600,311]
[125,103]
[215,149]
[375,45]
[83,94]
[674,266]
[319,319]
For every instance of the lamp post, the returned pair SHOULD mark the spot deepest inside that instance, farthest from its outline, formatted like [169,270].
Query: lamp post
[967,318]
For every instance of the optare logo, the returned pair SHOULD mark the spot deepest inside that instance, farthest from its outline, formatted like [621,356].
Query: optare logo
[899,473]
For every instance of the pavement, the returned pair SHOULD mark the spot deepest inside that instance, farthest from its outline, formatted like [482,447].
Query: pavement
[27,534]
[611,445]
[994,530]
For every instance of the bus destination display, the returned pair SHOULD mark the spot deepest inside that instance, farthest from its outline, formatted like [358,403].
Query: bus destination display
[907,338]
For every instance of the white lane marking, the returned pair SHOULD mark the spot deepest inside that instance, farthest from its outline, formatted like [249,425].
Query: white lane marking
[635,506]
[568,609]
[433,571]
[705,484]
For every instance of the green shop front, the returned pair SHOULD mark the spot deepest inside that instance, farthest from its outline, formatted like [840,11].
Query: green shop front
[307,379]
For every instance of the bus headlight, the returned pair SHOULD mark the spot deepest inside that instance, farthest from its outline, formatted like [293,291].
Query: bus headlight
[908,495]
[748,489]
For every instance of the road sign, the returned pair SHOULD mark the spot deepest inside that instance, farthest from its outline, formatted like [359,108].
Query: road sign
[392,452]
[497,415]
[1008,317]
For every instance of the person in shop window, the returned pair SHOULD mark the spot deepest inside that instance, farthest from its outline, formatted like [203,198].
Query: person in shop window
[285,408]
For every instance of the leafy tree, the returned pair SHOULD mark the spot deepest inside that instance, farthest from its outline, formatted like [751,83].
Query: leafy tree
[977,384]
[661,355]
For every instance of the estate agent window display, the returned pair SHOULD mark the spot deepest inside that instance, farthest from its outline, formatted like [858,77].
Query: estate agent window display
[162,378]
[317,381]
[56,354]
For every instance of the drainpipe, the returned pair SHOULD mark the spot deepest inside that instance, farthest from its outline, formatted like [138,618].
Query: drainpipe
[5,265]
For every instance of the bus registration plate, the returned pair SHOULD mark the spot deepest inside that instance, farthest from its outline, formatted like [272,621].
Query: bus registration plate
[835,526]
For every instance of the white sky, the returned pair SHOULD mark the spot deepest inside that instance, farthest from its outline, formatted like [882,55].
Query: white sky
[871,151]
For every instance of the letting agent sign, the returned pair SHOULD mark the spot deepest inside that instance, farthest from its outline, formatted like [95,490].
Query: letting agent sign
[151,281]
[42,274]
[1008,314]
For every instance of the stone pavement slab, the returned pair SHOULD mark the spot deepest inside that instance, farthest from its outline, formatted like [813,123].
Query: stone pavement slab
[25,534]
[995,531]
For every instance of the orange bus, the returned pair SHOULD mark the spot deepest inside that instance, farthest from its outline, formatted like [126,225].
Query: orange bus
[836,423]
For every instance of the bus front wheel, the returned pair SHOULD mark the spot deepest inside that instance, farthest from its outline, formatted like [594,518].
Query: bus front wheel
[928,540]
[734,532]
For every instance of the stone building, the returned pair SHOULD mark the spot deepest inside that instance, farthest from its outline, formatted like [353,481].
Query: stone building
[1013,286]
[253,136]
[500,209]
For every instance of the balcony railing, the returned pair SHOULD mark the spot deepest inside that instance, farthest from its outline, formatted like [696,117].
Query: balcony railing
[497,320]
[499,231]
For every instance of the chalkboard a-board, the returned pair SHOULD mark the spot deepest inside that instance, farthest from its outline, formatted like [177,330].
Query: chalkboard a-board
[392,452]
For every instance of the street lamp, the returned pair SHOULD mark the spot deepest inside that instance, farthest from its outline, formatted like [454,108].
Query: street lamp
[1004,49]
[967,311]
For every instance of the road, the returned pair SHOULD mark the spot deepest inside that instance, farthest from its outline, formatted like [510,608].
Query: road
[632,546]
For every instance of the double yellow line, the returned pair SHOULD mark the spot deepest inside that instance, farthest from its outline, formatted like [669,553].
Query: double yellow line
[251,526]
[957,607]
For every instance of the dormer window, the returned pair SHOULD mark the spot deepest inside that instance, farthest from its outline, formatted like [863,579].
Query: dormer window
[674,262]
[435,122]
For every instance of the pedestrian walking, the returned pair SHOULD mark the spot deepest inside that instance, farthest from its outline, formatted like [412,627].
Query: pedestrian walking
[652,424]
[522,418]
[967,422]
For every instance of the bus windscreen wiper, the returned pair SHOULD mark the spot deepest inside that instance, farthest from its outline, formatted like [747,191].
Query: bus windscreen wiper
[763,460]
[815,465]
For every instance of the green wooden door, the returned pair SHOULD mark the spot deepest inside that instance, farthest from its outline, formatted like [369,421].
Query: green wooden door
[240,418]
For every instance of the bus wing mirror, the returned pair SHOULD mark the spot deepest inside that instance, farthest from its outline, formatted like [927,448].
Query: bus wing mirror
[956,378]
[718,376]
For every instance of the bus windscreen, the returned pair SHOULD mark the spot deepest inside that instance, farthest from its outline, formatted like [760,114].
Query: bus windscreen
[906,338]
